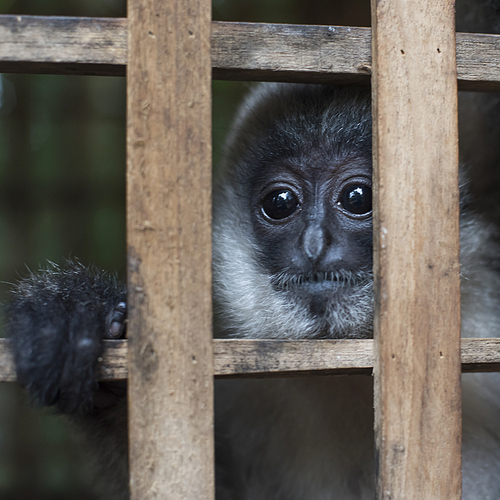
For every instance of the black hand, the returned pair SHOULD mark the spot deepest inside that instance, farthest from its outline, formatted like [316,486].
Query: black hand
[116,322]
[56,320]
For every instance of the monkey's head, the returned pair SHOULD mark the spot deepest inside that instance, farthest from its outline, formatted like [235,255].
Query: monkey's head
[293,216]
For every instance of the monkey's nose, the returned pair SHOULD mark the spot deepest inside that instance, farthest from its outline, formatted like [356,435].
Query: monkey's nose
[314,242]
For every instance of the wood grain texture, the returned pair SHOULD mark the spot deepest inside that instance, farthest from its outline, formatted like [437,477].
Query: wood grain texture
[478,61]
[7,370]
[416,251]
[277,358]
[63,45]
[169,178]
[280,358]
[240,51]
[286,52]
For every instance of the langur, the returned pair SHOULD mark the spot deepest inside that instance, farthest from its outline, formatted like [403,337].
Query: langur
[292,259]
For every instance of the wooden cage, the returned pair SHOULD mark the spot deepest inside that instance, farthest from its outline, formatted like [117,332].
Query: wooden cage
[169,51]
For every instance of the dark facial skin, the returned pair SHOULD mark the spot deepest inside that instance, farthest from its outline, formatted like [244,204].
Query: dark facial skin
[313,221]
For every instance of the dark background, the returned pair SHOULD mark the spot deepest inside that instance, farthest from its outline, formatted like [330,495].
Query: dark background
[62,194]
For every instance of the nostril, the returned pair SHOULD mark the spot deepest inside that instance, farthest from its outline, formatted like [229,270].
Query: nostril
[314,242]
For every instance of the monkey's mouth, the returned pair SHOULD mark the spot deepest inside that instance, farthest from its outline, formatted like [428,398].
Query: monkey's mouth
[319,281]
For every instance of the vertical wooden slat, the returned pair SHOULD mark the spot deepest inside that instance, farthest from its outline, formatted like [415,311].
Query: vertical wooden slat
[417,325]
[169,250]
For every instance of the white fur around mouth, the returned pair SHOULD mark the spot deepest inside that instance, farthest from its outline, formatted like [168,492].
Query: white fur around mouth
[324,279]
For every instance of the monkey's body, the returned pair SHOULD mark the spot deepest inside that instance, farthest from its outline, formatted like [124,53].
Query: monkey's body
[312,438]
[304,438]
[292,259]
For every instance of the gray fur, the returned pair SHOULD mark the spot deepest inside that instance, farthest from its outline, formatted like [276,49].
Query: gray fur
[299,439]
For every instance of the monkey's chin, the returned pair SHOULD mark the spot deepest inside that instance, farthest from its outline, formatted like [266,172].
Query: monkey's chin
[319,298]
[335,309]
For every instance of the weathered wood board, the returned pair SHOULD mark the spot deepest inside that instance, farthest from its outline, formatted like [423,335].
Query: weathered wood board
[240,51]
[279,358]
[169,184]
[416,251]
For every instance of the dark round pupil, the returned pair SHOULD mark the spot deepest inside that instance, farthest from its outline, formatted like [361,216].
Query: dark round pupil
[357,199]
[280,204]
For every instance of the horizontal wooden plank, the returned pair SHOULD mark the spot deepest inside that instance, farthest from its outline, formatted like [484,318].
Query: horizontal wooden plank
[288,52]
[240,51]
[7,372]
[244,358]
[112,364]
[478,62]
[63,45]
[272,358]
[480,355]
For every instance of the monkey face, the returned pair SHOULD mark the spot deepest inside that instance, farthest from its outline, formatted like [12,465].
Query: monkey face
[312,219]
[293,216]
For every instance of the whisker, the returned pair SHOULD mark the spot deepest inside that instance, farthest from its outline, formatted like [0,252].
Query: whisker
[287,280]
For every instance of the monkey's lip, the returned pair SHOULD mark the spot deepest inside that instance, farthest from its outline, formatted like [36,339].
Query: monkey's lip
[317,281]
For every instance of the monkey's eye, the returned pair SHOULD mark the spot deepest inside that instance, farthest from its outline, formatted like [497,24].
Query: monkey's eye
[356,199]
[280,204]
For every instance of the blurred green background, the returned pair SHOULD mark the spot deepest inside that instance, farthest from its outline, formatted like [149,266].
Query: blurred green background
[62,193]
